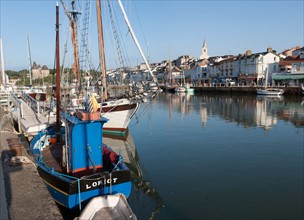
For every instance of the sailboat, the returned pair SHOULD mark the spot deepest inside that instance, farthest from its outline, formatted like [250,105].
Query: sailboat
[181,88]
[72,159]
[269,91]
[120,110]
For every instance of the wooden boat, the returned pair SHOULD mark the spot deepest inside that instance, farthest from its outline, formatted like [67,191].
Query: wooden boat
[72,160]
[108,207]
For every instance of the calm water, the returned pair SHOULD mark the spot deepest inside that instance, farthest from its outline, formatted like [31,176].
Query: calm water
[218,157]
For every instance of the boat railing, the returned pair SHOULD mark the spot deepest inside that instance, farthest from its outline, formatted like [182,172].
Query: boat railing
[32,103]
[4,98]
[18,104]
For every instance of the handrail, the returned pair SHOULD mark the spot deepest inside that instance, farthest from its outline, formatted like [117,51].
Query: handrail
[31,102]
[19,107]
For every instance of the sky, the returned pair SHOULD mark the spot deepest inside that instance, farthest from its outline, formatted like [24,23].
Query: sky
[165,29]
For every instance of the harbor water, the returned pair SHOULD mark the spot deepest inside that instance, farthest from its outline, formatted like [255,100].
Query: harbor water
[215,156]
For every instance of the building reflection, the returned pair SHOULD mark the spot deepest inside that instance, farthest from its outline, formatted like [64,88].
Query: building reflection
[246,110]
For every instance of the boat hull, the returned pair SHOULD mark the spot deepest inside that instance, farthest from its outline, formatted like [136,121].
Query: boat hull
[65,190]
[75,189]
[273,92]
[108,207]
[119,115]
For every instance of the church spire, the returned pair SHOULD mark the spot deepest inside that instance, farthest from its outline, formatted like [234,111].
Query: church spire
[204,43]
[204,50]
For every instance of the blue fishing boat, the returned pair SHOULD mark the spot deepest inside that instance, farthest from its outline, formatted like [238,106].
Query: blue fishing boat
[71,158]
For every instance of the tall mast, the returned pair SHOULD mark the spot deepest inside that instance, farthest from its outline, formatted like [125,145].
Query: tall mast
[30,59]
[57,76]
[73,19]
[135,39]
[3,79]
[101,49]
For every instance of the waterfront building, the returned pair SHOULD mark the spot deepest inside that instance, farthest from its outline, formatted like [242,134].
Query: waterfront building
[298,51]
[199,72]
[288,52]
[292,71]
[255,67]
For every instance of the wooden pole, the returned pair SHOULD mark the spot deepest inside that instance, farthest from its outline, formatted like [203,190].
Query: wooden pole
[101,49]
[57,76]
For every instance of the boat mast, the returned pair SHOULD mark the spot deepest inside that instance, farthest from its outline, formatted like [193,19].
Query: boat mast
[57,76]
[3,78]
[101,49]
[73,18]
[30,59]
[135,40]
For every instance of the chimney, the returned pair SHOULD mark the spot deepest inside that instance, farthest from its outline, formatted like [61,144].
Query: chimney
[269,50]
[248,52]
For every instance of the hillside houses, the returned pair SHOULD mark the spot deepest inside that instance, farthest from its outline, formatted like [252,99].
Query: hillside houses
[248,68]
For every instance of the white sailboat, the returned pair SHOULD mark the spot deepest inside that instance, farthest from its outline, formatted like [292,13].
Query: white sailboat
[181,88]
[269,91]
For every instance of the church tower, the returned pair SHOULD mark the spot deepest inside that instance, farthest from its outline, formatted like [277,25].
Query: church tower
[204,51]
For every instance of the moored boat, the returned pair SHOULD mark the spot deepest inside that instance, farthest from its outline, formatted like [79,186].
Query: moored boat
[180,89]
[119,112]
[270,91]
[72,160]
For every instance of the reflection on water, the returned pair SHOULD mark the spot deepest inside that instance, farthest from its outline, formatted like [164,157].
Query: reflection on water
[215,156]
[143,192]
[246,111]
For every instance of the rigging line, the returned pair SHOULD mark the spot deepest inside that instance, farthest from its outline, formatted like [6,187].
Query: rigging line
[118,47]
[138,117]
[142,30]
[118,36]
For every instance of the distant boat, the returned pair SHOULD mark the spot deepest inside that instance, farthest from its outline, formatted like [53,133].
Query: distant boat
[108,207]
[181,88]
[269,91]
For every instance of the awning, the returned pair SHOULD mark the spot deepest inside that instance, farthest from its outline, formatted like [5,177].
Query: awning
[287,76]
[247,77]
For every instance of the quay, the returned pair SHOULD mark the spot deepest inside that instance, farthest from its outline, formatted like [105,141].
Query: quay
[23,194]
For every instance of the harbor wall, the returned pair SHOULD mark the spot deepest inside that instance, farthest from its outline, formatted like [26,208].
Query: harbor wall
[296,90]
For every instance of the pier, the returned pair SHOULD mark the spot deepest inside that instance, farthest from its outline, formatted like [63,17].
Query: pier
[31,115]
[23,193]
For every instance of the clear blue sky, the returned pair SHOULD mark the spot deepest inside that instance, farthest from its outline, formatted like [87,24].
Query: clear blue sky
[166,29]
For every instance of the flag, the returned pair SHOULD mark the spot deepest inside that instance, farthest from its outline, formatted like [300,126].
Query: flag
[92,105]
